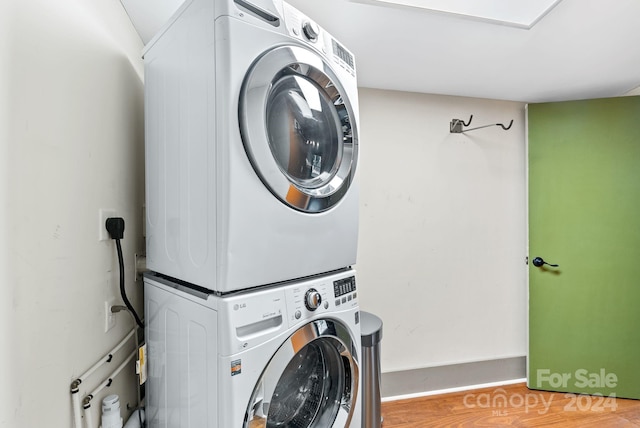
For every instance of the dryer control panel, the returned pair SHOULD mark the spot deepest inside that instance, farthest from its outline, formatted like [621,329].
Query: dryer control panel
[306,30]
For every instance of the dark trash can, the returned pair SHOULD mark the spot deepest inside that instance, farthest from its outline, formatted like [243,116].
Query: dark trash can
[371,336]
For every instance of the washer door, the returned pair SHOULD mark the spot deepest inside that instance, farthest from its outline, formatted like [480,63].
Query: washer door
[298,128]
[311,381]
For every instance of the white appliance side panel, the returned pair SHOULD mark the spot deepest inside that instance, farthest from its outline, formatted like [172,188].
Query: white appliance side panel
[180,158]
[182,348]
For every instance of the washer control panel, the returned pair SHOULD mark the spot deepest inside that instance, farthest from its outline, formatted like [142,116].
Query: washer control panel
[307,299]
[311,298]
[344,290]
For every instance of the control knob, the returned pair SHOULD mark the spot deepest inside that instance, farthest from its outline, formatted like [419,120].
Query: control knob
[312,299]
[311,30]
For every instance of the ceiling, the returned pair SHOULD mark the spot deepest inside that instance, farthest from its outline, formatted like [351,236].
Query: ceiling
[519,13]
[580,49]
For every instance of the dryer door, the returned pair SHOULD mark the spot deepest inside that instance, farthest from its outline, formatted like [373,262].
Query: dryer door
[311,381]
[298,128]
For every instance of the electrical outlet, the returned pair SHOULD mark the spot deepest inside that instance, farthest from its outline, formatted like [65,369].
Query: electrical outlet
[103,215]
[109,317]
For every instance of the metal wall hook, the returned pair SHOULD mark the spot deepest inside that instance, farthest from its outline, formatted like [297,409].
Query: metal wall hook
[506,128]
[456,126]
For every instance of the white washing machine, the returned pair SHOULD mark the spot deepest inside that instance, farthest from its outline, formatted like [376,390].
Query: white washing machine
[285,356]
[251,146]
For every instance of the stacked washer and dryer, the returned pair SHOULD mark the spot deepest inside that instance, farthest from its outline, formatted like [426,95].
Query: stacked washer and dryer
[251,306]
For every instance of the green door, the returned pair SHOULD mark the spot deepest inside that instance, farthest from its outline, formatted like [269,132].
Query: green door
[584,215]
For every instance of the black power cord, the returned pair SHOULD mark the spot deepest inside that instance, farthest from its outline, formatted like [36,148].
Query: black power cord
[115,227]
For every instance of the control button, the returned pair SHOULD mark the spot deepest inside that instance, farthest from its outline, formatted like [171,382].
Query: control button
[349,297]
[312,299]
[298,315]
[311,31]
[326,305]
[337,302]
[344,300]
[355,295]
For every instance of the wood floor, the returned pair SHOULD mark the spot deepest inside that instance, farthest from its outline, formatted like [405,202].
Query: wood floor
[511,406]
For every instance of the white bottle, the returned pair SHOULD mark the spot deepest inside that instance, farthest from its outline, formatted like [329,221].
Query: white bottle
[111,412]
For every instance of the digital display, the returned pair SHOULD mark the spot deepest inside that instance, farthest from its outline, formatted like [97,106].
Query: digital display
[342,53]
[344,286]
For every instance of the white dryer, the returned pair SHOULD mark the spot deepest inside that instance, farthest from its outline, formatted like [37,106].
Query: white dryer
[251,146]
[284,356]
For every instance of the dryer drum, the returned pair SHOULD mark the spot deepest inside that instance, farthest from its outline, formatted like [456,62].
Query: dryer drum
[306,142]
[298,128]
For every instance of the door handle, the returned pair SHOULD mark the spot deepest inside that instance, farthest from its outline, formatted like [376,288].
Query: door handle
[539,261]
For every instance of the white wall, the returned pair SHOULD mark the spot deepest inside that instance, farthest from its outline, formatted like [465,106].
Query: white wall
[72,143]
[635,91]
[442,236]
[7,400]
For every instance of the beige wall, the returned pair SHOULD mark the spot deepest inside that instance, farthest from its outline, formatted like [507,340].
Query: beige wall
[442,234]
[72,143]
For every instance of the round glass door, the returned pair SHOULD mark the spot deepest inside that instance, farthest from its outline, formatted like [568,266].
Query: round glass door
[311,382]
[298,128]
